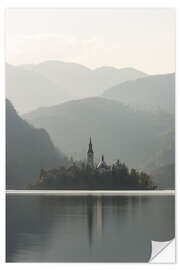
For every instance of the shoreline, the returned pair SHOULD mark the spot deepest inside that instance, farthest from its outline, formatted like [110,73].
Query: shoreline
[93,192]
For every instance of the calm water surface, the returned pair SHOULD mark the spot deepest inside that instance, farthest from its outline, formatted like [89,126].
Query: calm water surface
[43,228]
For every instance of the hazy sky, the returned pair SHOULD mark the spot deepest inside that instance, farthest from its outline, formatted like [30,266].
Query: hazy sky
[139,38]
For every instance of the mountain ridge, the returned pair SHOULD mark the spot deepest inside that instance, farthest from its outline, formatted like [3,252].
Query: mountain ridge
[27,150]
[53,82]
[155,91]
[118,131]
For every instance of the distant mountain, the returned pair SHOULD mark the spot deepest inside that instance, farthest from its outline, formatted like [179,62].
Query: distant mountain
[165,155]
[161,164]
[117,130]
[27,151]
[164,176]
[28,89]
[52,82]
[82,81]
[149,93]
[110,76]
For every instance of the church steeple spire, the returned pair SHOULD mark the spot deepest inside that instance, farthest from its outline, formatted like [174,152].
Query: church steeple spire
[90,150]
[90,154]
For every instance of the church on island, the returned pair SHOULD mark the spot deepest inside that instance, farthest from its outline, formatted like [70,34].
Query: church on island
[102,166]
[79,175]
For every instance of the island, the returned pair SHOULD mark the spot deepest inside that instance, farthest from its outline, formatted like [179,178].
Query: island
[87,176]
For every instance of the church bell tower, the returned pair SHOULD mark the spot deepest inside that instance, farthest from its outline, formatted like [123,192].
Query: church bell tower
[90,155]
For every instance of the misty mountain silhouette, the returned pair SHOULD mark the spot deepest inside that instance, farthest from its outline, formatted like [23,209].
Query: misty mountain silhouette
[27,151]
[152,92]
[28,89]
[52,82]
[117,130]
[81,81]
[165,176]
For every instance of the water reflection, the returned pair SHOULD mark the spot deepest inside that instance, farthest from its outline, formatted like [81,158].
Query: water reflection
[99,215]
[90,219]
[57,229]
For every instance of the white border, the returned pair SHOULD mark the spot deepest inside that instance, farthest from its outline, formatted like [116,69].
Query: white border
[74,4]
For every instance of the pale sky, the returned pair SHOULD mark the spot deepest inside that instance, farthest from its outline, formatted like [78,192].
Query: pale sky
[139,38]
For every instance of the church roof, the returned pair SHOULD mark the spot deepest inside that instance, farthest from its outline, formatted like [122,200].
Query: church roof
[102,164]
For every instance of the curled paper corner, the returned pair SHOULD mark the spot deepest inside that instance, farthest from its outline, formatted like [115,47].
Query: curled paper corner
[163,252]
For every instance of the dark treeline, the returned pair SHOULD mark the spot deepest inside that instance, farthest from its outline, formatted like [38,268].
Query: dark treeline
[84,177]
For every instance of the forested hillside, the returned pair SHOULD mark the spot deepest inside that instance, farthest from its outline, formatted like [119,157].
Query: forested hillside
[27,151]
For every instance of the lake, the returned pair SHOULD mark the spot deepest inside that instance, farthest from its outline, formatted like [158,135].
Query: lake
[54,228]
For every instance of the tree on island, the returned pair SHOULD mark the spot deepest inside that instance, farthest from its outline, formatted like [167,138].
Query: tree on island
[82,176]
